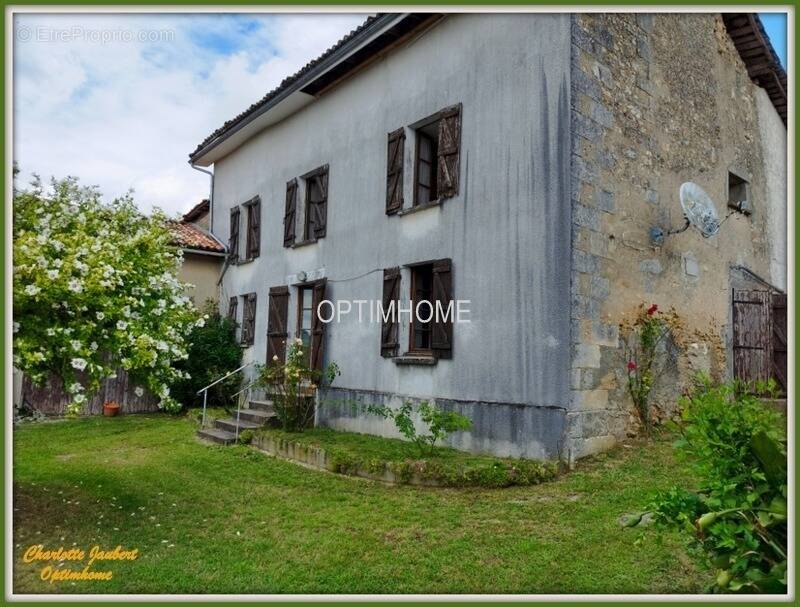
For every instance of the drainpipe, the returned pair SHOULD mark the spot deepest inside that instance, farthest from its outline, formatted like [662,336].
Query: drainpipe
[210,196]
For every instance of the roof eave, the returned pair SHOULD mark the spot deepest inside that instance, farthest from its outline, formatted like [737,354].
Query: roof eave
[260,118]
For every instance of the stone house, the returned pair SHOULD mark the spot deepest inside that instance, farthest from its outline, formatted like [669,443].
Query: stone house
[203,254]
[519,164]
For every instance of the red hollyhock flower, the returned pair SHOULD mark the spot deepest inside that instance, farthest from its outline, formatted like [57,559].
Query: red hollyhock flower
[652,309]
[631,365]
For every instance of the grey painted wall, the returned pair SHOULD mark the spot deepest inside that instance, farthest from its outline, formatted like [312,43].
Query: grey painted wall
[507,232]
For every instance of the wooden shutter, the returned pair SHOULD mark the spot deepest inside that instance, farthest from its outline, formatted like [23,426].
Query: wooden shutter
[751,335]
[394,171]
[277,323]
[442,330]
[233,305]
[249,319]
[390,328]
[779,357]
[317,326]
[233,243]
[319,206]
[290,213]
[448,164]
[253,228]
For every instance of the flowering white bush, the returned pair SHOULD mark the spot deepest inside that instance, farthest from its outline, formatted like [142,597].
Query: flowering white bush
[95,289]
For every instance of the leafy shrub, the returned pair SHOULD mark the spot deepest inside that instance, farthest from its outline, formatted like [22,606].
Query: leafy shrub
[292,386]
[439,423]
[213,352]
[738,517]
[245,437]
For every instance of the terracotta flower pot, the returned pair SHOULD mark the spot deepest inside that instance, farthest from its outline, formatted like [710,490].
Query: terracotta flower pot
[110,409]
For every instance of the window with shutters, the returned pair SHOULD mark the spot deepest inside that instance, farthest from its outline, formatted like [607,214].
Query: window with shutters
[437,150]
[310,328]
[315,212]
[431,327]
[248,319]
[253,242]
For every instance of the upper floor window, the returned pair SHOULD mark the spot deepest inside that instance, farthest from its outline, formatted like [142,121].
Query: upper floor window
[312,189]
[253,231]
[436,158]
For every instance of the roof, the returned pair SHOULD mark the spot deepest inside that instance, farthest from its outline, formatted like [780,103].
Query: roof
[760,59]
[382,32]
[197,211]
[377,34]
[189,236]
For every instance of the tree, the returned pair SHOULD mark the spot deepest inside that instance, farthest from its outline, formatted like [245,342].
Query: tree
[95,289]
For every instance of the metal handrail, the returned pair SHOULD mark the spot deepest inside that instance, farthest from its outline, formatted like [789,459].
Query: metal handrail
[214,383]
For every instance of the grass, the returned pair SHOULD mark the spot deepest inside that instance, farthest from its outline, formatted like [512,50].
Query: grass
[350,452]
[212,519]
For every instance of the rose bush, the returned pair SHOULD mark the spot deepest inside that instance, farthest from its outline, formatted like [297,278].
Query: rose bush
[95,289]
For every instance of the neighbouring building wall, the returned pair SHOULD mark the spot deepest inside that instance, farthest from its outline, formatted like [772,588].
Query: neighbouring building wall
[772,132]
[506,231]
[658,100]
[202,271]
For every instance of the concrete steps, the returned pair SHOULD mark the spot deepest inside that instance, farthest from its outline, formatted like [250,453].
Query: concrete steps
[258,414]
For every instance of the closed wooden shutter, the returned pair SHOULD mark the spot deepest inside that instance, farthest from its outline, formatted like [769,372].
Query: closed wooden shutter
[233,243]
[249,319]
[442,329]
[390,327]
[290,213]
[751,335]
[394,171]
[277,323]
[318,203]
[449,152]
[317,326]
[253,228]
[779,341]
[233,305]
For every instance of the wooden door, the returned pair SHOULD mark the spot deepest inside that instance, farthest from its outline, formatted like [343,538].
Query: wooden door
[779,333]
[752,354]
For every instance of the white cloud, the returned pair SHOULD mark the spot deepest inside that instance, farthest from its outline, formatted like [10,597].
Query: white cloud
[125,114]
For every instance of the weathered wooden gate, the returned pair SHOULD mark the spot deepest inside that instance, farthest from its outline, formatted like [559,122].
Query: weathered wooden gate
[759,336]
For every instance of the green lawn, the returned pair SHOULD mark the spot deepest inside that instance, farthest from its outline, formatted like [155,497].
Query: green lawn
[212,519]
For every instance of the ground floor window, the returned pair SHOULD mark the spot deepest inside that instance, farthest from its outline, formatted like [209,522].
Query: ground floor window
[421,291]
[305,312]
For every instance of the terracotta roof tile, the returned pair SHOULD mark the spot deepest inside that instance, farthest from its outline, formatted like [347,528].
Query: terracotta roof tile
[189,236]
[197,211]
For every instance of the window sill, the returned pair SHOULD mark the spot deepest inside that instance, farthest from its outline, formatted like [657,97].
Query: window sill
[415,359]
[244,262]
[421,207]
[304,243]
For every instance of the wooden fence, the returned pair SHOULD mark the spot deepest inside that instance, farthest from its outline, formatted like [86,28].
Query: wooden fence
[51,399]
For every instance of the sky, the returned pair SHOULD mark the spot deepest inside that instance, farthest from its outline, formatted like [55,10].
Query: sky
[775,25]
[120,100]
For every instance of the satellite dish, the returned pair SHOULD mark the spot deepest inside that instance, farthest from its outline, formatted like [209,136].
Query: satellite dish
[699,210]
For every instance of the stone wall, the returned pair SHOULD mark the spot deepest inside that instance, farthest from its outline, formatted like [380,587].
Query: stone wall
[656,100]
